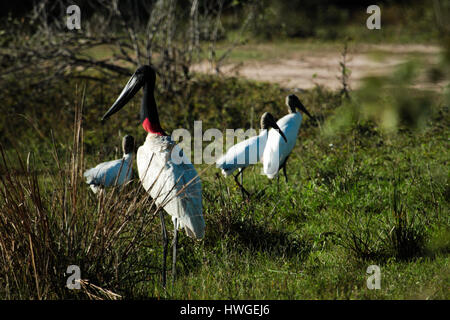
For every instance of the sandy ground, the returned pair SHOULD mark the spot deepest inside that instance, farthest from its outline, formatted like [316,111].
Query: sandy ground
[305,69]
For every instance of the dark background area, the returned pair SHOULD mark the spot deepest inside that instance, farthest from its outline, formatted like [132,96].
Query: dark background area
[316,9]
[324,19]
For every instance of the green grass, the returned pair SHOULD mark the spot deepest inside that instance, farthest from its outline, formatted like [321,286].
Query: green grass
[297,243]
[356,196]
[368,181]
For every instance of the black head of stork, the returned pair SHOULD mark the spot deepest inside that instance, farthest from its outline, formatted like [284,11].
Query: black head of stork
[268,121]
[128,144]
[143,77]
[293,102]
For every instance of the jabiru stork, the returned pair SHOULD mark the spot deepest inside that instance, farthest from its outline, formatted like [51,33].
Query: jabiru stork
[174,186]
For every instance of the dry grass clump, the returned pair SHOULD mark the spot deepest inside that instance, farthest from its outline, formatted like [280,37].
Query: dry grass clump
[49,221]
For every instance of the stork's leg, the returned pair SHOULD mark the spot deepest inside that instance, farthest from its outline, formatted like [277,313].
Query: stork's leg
[241,185]
[283,166]
[174,262]
[285,175]
[284,170]
[165,244]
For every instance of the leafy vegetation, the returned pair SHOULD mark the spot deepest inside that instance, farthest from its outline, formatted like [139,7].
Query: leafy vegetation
[330,20]
[368,178]
[358,195]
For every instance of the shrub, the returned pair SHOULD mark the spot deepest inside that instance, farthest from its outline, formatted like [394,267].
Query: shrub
[49,221]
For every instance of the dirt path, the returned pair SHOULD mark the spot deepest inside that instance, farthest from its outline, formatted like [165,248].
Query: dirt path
[306,68]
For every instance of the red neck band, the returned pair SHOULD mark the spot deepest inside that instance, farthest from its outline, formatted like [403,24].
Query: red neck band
[154,128]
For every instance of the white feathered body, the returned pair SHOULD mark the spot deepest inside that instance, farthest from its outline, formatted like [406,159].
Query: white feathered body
[108,173]
[277,150]
[173,183]
[243,154]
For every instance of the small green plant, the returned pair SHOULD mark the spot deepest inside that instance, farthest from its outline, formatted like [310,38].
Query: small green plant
[407,236]
[345,72]
[361,234]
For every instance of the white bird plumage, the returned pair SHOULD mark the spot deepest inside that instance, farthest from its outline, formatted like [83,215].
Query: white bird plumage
[249,151]
[243,154]
[277,152]
[116,172]
[105,174]
[174,185]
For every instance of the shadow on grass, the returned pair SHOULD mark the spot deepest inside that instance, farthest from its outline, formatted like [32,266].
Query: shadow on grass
[260,238]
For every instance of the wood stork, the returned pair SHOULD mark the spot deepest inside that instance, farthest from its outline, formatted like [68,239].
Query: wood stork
[116,172]
[277,152]
[172,182]
[247,152]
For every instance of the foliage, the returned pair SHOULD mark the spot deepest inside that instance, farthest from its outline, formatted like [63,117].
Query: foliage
[357,197]
[337,20]
[115,38]
[368,185]
[50,221]
[389,101]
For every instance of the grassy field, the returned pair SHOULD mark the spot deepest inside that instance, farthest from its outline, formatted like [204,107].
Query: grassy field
[356,196]
[368,185]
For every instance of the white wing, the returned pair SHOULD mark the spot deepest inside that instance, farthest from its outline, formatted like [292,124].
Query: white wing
[277,149]
[175,186]
[95,189]
[243,154]
[106,173]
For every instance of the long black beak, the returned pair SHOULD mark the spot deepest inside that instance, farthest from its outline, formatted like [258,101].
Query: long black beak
[277,128]
[303,109]
[132,87]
